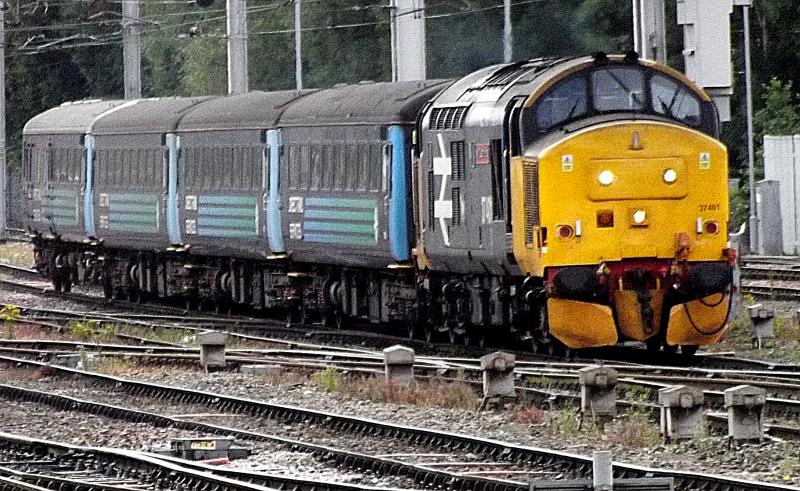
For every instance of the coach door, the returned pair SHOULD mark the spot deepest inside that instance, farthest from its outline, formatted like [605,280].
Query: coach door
[272,197]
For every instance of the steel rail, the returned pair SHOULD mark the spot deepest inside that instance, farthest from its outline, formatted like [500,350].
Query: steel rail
[567,462]
[145,467]
[340,458]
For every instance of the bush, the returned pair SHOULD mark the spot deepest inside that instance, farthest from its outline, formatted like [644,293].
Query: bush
[565,421]
[9,314]
[329,379]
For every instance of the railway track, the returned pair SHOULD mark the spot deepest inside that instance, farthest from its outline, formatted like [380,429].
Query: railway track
[58,465]
[248,329]
[771,277]
[559,390]
[566,463]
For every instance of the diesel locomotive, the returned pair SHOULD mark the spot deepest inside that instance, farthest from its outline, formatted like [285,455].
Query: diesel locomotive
[575,202]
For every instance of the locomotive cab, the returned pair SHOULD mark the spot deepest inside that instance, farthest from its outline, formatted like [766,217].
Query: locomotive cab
[621,206]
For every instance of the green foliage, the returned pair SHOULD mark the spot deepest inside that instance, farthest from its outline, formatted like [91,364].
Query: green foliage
[83,330]
[779,114]
[636,430]
[9,314]
[329,379]
[565,422]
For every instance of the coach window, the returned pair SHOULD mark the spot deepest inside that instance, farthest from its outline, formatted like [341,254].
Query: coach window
[376,166]
[340,176]
[674,100]
[351,160]
[618,89]
[567,101]
[363,166]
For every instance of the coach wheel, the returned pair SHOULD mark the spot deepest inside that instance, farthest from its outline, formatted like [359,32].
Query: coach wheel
[56,281]
[429,332]
[108,285]
[66,283]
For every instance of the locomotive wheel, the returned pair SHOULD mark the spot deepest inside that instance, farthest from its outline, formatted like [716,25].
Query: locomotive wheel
[336,319]
[108,286]
[688,351]
[411,328]
[653,344]
[669,349]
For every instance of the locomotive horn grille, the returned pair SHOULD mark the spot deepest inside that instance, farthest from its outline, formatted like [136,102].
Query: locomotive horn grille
[530,182]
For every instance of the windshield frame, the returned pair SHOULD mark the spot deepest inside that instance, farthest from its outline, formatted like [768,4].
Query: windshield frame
[647,107]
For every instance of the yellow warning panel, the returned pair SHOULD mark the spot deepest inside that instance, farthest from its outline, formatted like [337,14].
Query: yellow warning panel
[699,322]
[581,324]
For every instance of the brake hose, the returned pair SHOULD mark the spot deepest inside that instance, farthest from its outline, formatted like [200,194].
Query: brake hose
[724,322]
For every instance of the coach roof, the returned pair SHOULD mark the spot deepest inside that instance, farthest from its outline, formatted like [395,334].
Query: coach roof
[70,117]
[254,110]
[147,116]
[364,103]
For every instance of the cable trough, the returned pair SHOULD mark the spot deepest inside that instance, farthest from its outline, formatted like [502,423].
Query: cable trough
[569,464]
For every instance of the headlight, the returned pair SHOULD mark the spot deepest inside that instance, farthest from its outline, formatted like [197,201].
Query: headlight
[606,178]
[639,217]
[670,176]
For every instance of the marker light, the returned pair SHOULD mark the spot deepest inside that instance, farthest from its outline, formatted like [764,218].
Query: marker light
[606,178]
[639,217]
[605,219]
[670,176]
[564,232]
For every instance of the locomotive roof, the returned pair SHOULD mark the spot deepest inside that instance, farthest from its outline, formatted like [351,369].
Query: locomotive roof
[254,110]
[365,103]
[487,91]
[147,116]
[70,117]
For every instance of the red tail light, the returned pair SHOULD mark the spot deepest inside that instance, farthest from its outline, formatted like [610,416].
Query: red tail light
[711,227]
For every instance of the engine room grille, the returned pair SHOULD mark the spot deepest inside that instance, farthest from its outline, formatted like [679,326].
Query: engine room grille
[530,182]
[457,160]
[456,197]
[448,118]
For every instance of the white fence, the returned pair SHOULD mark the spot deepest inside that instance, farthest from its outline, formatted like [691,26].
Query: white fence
[782,164]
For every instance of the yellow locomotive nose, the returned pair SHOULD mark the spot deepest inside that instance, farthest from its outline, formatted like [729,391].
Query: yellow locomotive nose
[631,200]
[648,211]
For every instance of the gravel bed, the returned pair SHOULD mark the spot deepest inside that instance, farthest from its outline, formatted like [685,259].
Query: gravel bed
[301,431]
[36,420]
[703,453]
